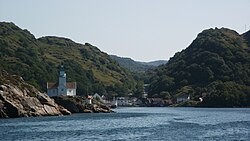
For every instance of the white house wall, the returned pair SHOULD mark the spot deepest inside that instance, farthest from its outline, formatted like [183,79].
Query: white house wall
[179,100]
[71,92]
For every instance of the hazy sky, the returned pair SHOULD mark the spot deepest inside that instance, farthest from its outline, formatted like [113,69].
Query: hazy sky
[144,30]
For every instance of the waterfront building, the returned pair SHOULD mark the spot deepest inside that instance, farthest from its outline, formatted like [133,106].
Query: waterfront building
[62,87]
[183,98]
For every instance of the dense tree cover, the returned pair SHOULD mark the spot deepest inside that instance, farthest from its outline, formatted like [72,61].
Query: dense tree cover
[216,66]
[37,61]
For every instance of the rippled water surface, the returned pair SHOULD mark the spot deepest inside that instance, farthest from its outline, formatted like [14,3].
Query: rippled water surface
[147,124]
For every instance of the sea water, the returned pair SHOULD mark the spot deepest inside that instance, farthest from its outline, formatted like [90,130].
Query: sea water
[134,124]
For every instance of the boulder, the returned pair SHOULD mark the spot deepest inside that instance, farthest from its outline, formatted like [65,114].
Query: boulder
[51,110]
[64,111]
[87,111]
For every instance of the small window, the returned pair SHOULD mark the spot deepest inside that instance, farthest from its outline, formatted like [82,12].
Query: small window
[62,89]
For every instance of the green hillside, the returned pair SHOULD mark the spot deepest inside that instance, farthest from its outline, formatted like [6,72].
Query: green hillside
[136,66]
[155,63]
[37,61]
[131,65]
[216,66]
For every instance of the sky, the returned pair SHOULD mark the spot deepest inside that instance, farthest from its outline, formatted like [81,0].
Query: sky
[144,30]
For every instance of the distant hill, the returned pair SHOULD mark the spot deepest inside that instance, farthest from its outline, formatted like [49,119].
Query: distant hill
[216,66]
[136,66]
[37,61]
[155,63]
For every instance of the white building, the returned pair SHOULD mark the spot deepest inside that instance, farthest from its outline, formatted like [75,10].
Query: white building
[89,99]
[123,101]
[61,87]
[183,98]
[100,98]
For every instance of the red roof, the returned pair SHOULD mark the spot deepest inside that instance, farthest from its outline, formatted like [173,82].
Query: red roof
[52,85]
[89,97]
[69,85]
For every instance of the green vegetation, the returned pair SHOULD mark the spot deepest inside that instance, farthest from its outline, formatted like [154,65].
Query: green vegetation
[37,61]
[216,66]
[135,66]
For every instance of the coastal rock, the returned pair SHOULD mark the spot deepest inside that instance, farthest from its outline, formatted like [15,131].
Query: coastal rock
[78,105]
[64,111]
[19,99]
[51,110]
[87,111]
[69,103]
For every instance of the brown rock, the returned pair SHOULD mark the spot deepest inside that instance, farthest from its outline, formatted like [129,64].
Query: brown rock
[51,110]
[64,111]
[87,111]
[19,99]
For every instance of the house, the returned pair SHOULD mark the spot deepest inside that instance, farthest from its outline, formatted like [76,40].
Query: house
[100,98]
[114,103]
[133,100]
[97,96]
[183,98]
[88,99]
[155,102]
[167,102]
[145,91]
[62,87]
[136,101]
[123,101]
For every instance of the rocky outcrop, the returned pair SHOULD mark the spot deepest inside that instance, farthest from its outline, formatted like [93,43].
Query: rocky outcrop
[78,105]
[19,99]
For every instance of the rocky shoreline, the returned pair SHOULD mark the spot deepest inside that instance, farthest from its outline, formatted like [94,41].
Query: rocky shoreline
[77,104]
[19,99]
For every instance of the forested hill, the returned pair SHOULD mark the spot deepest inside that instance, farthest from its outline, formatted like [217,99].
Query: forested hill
[37,61]
[136,66]
[216,66]
[155,63]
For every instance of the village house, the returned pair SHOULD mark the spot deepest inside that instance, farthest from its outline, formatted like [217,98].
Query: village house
[168,102]
[100,98]
[145,91]
[62,87]
[136,101]
[89,99]
[123,101]
[155,102]
[183,98]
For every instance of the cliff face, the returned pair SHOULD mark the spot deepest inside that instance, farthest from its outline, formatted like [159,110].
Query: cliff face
[19,99]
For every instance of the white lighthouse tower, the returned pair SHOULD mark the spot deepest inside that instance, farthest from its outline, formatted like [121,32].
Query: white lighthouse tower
[62,87]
